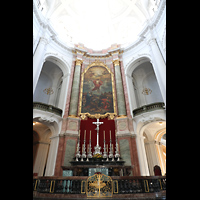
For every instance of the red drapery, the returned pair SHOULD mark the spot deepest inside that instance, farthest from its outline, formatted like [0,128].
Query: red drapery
[107,126]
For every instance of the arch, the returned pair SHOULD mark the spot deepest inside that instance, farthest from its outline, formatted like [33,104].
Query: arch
[54,81]
[161,149]
[147,147]
[60,62]
[135,62]
[41,148]
[51,122]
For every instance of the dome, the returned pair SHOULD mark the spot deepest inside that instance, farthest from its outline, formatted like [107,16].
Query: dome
[97,24]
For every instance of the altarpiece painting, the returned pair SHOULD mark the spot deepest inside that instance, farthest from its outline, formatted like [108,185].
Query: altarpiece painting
[97,92]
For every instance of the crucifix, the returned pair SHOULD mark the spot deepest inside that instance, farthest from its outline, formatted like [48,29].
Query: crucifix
[97,147]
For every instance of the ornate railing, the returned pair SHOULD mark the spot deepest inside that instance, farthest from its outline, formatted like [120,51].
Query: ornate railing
[121,185]
[48,108]
[64,185]
[148,108]
[140,184]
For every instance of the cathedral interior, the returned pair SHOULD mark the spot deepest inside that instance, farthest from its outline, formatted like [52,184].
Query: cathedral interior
[99,99]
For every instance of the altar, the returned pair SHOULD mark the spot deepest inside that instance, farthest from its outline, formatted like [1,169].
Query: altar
[87,163]
[89,168]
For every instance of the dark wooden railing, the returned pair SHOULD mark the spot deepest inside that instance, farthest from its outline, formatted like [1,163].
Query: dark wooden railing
[121,184]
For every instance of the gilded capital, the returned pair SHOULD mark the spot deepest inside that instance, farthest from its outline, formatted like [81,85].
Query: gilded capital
[116,62]
[79,62]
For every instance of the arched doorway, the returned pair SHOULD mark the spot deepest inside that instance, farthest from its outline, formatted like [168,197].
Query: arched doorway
[41,144]
[153,134]
[160,138]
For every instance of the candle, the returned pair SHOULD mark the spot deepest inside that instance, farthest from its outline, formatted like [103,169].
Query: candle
[107,147]
[110,134]
[90,134]
[79,134]
[84,134]
[112,147]
[104,134]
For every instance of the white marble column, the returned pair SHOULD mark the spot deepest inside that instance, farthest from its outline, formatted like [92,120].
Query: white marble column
[144,169]
[159,66]
[131,93]
[51,161]
[63,92]
[38,59]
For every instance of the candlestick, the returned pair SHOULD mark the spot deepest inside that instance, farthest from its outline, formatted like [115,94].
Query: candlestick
[78,155]
[117,155]
[110,134]
[83,151]
[104,147]
[104,134]
[89,153]
[90,134]
[111,150]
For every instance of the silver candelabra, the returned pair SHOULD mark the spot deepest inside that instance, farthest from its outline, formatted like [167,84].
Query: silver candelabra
[78,155]
[83,151]
[117,155]
[89,155]
[105,150]
[111,151]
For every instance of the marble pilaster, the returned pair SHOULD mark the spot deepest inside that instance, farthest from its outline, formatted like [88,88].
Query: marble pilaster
[120,91]
[75,89]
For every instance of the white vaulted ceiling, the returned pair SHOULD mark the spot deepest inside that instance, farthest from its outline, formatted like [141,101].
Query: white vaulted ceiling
[98,23]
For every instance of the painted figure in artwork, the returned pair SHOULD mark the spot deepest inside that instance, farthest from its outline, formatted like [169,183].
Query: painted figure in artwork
[105,103]
[97,84]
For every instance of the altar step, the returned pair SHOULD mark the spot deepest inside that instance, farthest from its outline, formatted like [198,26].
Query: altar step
[128,198]
[145,196]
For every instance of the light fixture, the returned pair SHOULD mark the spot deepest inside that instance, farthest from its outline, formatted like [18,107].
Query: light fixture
[160,123]
[48,91]
[34,123]
[146,91]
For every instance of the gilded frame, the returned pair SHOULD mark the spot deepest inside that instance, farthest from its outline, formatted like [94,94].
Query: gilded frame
[97,115]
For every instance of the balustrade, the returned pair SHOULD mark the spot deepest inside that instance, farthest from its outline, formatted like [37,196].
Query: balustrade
[48,108]
[121,185]
[148,108]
